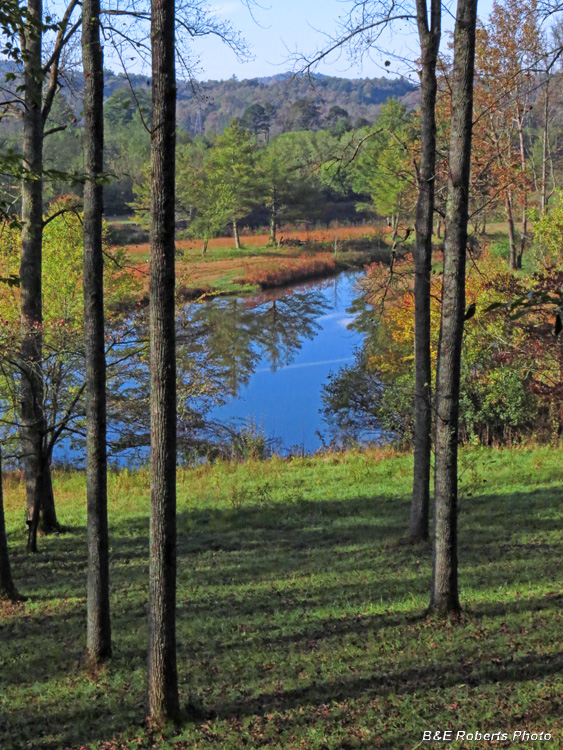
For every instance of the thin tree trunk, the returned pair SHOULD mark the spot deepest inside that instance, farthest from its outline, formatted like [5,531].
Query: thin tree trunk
[236,234]
[544,150]
[524,233]
[162,670]
[511,233]
[445,596]
[204,247]
[7,587]
[273,223]
[98,637]
[429,44]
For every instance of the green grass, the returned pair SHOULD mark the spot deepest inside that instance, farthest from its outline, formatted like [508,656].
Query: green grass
[300,613]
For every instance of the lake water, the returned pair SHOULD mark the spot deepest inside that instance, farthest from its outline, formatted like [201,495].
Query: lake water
[285,400]
[267,358]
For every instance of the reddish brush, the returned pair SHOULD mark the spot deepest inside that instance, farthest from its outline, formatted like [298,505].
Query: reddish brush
[289,270]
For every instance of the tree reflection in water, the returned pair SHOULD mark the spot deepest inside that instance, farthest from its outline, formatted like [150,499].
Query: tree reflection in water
[219,345]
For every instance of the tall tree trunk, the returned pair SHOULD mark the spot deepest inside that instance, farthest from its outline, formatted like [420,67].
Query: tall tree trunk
[524,233]
[236,234]
[7,587]
[445,597]
[545,149]
[31,353]
[511,232]
[162,669]
[98,637]
[40,500]
[429,45]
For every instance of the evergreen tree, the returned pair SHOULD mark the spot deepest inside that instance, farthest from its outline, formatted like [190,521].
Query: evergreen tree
[231,174]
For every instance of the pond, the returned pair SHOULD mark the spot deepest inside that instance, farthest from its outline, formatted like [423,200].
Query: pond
[258,361]
[284,398]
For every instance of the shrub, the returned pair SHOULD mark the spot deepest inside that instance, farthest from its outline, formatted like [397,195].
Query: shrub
[510,378]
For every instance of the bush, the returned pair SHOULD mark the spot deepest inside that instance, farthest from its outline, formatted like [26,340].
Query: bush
[510,379]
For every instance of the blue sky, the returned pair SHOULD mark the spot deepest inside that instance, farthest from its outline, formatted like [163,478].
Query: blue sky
[281,28]
[278,29]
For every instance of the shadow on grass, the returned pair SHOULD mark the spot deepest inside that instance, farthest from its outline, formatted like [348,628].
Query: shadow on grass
[281,582]
[400,682]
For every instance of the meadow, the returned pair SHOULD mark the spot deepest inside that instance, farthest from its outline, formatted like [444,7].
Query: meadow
[301,611]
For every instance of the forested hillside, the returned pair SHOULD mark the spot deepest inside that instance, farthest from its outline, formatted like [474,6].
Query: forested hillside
[293,103]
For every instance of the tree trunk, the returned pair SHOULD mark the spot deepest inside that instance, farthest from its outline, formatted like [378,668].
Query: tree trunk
[31,353]
[7,587]
[429,45]
[445,597]
[545,149]
[98,637]
[273,225]
[236,234]
[204,247]
[511,233]
[162,670]
[48,516]
[524,233]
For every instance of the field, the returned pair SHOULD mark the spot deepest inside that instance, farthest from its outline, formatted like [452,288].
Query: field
[301,614]
[257,265]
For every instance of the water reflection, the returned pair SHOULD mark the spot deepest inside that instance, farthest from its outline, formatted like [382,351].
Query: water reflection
[284,395]
[264,358]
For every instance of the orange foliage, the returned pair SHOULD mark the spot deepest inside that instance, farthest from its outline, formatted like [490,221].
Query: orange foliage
[288,270]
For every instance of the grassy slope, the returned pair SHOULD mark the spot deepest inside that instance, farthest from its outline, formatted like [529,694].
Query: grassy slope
[300,615]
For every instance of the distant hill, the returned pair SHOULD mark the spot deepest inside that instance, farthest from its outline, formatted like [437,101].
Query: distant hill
[216,102]
[209,106]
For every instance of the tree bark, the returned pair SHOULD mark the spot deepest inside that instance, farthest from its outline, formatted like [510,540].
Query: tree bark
[98,637]
[429,45]
[524,233]
[545,141]
[7,587]
[236,234]
[273,226]
[511,233]
[31,352]
[162,670]
[445,596]
[273,220]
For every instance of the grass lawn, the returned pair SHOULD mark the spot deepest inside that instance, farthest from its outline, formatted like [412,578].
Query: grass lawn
[300,613]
